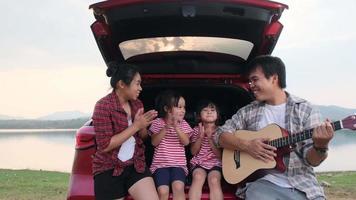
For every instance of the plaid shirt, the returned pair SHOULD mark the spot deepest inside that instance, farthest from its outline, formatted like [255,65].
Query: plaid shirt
[109,119]
[300,116]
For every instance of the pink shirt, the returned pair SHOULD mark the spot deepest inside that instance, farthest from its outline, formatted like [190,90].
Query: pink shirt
[170,151]
[205,158]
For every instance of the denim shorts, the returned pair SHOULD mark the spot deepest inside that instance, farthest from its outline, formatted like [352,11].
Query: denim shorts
[165,176]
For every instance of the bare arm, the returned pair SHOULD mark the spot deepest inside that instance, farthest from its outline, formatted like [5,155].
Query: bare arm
[216,151]
[229,141]
[257,148]
[120,138]
[143,133]
[315,158]
[141,122]
[195,147]
[183,137]
[156,138]
[321,138]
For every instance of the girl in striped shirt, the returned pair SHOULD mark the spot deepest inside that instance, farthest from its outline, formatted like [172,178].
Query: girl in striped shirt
[170,133]
[206,162]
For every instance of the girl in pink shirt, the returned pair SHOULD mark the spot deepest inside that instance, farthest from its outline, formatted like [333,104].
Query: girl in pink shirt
[206,162]
[170,133]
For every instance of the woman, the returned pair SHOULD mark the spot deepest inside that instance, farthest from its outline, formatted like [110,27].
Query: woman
[120,125]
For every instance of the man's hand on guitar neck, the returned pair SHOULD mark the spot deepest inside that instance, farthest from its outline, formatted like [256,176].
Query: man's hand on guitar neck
[321,138]
[323,134]
[259,149]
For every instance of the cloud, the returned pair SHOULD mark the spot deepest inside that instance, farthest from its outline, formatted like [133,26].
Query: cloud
[317,22]
[46,32]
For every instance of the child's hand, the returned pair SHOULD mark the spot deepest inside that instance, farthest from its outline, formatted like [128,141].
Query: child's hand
[142,120]
[201,130]
[173,120]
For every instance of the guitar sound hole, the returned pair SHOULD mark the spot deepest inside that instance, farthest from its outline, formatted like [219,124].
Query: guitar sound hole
[237,159]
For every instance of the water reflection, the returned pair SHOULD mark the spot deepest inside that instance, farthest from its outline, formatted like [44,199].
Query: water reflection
[54,150]
[340,159]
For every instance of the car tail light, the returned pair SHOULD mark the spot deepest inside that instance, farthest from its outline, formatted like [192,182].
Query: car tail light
[85,137]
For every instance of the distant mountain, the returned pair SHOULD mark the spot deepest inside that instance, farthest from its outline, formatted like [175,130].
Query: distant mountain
[332,112]
[42,124]
[6,117]
[335,112]
[65,115]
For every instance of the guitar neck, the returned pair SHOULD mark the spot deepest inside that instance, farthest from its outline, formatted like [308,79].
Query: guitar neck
[298,137]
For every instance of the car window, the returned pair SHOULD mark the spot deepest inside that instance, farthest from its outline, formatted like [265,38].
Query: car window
[235,47]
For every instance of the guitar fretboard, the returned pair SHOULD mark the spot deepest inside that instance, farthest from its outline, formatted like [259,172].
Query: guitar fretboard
[298,137]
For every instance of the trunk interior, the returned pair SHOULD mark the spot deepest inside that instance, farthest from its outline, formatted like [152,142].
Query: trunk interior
[228,99]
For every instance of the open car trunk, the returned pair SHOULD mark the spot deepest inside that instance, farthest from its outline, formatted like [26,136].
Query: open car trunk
[121,24]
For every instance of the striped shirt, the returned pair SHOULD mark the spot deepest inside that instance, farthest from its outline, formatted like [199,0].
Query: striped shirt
[205,158]
[300,115]
[170,151]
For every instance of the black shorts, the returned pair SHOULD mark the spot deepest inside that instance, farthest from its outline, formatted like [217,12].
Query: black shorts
[107,186]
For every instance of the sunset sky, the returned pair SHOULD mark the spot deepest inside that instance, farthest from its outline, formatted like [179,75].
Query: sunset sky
[49,60]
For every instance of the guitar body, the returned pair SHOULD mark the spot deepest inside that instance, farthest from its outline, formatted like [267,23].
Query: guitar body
[240,166]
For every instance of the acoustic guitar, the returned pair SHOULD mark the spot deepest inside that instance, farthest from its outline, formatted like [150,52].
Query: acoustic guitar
[240,167]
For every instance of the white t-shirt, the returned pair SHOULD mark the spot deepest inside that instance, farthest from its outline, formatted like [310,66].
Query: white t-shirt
[127,148]
[275,114]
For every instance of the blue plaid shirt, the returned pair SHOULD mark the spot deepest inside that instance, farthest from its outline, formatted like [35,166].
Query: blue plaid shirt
[300,116]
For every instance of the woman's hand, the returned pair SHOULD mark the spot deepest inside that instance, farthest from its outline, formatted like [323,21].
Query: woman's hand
[142,120]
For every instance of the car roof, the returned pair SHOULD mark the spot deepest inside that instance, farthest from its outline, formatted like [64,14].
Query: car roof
[251,21]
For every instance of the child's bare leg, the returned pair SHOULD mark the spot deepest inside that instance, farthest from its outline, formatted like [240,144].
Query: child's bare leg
[163,192]
[178,190]
[214,181]
[195,191]
[144,189]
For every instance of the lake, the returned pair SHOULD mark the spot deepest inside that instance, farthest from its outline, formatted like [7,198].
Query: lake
[53,150]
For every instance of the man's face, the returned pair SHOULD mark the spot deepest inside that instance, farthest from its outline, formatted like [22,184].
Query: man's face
[262,88]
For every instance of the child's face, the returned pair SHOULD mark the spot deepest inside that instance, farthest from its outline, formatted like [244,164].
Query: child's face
[179,111]
[208,114]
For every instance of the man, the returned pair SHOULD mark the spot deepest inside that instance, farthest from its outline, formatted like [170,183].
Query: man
[267,76]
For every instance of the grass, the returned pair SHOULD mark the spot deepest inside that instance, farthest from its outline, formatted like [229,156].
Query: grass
[342,184]
[33,185]
[41,185]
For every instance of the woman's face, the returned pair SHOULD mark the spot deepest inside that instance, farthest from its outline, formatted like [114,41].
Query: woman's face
[132,91]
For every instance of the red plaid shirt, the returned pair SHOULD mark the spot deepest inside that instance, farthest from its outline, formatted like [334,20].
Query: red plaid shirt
[109,119]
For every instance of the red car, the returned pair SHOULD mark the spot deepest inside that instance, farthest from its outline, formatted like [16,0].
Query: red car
[197,47]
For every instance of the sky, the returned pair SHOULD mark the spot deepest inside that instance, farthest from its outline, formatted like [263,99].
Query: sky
[49,61]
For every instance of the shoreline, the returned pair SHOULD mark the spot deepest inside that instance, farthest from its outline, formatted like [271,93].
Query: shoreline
[37,130]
